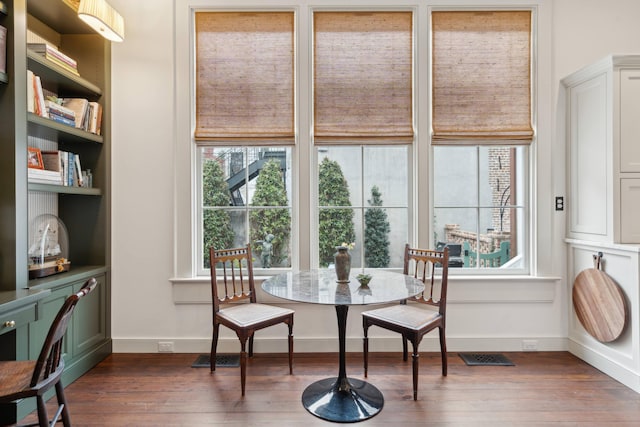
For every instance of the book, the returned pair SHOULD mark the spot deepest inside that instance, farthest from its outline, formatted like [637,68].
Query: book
[80,107]
[40,108]
[63,65]
[53,54]
[78,179]
[44,176]
[70,168]
[63,120]
[3,49]
[31,108]
[96,118]
[51,51]
[60,110]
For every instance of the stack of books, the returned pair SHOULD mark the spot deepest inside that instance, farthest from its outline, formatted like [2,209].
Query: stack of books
[43,176]
[60,113]
[54,55]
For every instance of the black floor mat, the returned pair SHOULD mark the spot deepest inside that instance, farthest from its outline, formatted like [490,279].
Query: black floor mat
[485,359]
[222,361]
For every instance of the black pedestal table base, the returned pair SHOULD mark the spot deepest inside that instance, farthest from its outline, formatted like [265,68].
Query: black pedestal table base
[341,399]
[354,401]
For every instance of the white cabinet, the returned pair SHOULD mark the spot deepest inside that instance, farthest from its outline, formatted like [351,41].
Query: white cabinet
[603,135]
[629,120]
[629,208]
[602,125]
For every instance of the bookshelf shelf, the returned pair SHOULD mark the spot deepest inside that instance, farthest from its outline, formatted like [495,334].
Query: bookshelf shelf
[61,79]
[75,273]
[61,189]
[47,128]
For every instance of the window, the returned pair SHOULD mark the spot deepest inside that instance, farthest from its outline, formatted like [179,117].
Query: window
[244,129]
[363,125]
[246,197]
[363,199]
[482,126]
[479,205]
[341,99]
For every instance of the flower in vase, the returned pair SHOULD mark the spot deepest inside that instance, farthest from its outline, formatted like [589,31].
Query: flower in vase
[349,246]
[364,279]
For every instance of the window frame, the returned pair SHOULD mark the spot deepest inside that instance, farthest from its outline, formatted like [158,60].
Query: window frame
[539,216]
[527,264]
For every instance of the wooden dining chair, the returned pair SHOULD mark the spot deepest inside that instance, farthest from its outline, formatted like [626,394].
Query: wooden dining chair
[232,282]
[415,317]
[33,378]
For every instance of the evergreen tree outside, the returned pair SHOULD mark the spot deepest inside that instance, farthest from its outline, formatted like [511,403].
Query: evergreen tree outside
[217,231]
[270,191]
[335,225]
[376,233]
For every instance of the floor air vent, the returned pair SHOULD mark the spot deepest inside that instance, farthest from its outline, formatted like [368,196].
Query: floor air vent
[485,359]
[222,361]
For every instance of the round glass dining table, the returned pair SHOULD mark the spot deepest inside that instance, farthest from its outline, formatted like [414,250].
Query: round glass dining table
[342,399]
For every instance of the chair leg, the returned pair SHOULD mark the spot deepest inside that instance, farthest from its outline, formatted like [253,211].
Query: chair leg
[251,346]
[443,351]
[405,350]
[365,347]
[416,362]
[62,400]
[214,346]
[43,418]
[290,348]
[243,364]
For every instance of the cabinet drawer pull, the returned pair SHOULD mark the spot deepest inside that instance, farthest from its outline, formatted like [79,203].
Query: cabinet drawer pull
[10,324]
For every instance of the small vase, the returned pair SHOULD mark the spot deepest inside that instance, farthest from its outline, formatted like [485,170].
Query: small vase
[342,264]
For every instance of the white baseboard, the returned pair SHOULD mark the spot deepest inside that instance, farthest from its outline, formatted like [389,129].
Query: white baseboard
[329,345]
[607,365]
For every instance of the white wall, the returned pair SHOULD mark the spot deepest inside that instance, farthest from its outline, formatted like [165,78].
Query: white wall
[485,314]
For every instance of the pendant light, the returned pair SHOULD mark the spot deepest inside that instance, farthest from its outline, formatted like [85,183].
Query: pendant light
[103,18]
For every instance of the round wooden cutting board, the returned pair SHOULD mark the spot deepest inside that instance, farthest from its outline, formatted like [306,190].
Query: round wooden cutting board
[600,304]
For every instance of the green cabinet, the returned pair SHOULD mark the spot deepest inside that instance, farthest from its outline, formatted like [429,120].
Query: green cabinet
[84,211]
[18,310]
[86,342]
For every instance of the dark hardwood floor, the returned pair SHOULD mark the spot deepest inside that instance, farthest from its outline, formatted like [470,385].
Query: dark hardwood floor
[543,388]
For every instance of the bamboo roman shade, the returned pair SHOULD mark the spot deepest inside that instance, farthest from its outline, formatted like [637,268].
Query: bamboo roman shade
[482,77]
[244,77]
[363,73]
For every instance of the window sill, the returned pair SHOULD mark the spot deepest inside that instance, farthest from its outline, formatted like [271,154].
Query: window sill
[462,290]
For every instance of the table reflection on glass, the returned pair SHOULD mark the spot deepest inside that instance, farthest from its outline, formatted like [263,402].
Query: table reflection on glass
[342,399]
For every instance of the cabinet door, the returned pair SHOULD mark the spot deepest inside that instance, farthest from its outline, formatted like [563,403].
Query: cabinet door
[629,122]
[629,208]
[589,155]
[89,318]
[38,330]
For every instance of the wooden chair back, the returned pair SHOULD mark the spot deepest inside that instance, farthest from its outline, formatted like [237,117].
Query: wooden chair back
[50,364]
[231,276]
[425,265]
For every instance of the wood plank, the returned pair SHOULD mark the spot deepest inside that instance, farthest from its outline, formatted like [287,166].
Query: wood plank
[543,388]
